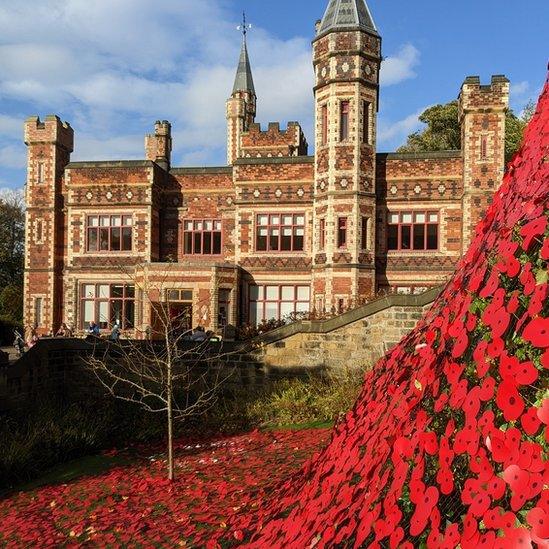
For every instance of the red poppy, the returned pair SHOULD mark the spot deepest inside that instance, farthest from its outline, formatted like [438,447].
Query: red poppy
[492,517]
[514,303]
[507,366]
[445,480]
[538,299]
[527,279]
[486,391]
[498,447]
[509,401]
[526,373]
[537,332]
[531,230]
[495,347]
[519,537]
[396,537]
[461,344]
[491,285]
[508,263]
[481,503]
[530,421]
[538,519]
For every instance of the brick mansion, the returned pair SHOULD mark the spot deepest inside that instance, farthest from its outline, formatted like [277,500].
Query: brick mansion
[275,231]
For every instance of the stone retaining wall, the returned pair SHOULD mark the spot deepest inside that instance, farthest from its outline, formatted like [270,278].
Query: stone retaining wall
[353,340]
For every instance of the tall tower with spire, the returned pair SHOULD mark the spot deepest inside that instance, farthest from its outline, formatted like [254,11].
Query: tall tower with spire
[346,57]
[241,106]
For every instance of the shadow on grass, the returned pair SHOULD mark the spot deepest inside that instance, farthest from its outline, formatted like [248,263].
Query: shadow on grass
[72,470]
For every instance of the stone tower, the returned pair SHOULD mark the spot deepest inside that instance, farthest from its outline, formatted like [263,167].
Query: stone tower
[347,57]
[482,115]
[241,106]
[50,144]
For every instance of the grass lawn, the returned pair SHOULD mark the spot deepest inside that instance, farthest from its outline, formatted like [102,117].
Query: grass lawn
[123,498]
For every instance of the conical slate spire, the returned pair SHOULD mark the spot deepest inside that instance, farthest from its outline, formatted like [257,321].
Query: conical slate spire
[244,80]
[346,14]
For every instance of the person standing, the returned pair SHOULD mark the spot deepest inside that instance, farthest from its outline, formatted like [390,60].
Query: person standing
[115,333]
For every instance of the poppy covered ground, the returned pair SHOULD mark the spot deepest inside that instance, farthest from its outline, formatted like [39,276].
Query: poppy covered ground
[135,505]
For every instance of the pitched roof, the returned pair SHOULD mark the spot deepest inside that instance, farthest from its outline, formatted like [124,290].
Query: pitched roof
[244,80]
[347,14]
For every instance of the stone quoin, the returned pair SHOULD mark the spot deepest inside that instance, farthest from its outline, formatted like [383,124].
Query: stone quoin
[274,232]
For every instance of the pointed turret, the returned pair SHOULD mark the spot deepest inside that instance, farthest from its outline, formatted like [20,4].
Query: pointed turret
[244,81]
[241,106]
[347,14]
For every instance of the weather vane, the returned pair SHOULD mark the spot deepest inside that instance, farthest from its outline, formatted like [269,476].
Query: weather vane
[245,26]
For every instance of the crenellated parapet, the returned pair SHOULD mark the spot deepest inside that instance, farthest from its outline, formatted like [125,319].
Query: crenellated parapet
[273,142]
[491,97]
[51,130]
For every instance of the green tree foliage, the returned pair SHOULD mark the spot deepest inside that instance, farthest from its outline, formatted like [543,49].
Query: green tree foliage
[443,131]
[12,245]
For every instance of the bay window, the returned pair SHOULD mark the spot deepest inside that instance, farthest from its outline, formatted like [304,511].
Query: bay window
[105,304]
[268,302]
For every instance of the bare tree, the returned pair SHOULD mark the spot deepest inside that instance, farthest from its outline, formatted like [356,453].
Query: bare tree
[171,372]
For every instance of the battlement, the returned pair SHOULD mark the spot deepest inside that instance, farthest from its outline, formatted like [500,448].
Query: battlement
[477,96]
[51,130]
[273,142]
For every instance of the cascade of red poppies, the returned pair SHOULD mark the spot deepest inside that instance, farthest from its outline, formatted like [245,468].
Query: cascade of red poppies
[447,443]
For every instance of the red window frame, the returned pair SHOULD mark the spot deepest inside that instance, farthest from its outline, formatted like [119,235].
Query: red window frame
[401,229]
[344,109]
[324,122]
[322,232]
[202,237]
[265,298]
[366,122]
[101,231]
[123,296]
[342,232]
[267,227]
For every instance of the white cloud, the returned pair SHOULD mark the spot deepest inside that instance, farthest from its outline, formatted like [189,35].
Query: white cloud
[399,67]
[11,126]
[124,147]
[390,131]
[519,88]
[13,156]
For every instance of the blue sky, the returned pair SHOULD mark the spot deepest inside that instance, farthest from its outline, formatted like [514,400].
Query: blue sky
[113,67]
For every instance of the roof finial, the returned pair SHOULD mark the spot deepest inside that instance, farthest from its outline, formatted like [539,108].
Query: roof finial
[244,27]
